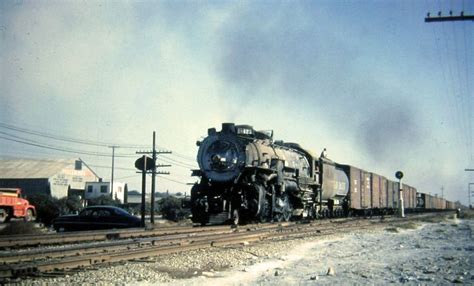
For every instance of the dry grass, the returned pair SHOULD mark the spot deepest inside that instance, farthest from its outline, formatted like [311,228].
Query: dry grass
[467,214]
[407,225]
[434,219]
[20,227]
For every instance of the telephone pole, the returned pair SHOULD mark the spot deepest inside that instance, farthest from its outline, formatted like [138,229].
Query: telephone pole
[469,193]
[154,153]
[450,18]
[112,177]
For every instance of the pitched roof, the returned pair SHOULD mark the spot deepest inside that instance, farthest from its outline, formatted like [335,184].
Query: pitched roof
[32,168]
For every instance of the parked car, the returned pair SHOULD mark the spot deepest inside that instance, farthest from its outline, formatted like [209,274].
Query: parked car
[96,217]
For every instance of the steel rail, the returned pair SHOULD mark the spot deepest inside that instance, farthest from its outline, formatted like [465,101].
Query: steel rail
[21,269]
[35,240]
[35,254]
[16,241]
[154,246]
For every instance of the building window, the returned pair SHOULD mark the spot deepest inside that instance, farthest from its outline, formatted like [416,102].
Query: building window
[103,189]
[78,165]
[89,189]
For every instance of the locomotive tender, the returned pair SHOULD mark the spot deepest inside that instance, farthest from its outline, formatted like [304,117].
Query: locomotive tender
[247,176]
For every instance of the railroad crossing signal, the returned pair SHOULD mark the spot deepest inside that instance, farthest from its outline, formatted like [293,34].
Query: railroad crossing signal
[144,163]
[399,175]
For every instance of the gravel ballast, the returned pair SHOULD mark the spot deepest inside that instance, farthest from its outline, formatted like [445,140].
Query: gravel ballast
[431,253]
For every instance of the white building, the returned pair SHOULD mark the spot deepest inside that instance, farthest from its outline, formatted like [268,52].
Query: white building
[56,178]
[97,189]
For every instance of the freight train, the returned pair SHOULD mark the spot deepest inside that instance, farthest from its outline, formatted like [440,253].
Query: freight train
[247,176]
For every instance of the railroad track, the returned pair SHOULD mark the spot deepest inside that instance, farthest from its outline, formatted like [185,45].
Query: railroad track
[141,244]
[35,240]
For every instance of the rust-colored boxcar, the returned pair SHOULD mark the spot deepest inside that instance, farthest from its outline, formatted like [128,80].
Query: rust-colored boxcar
[359,194]
[439,203]
[354,175]
[355,188]
[409,197]
[429,202]
[396,194]
[405,191]
[365,186]
[359,187]
[390,203]
[443,204]
[375,190]
[450,205]
[383,198]
[413,197]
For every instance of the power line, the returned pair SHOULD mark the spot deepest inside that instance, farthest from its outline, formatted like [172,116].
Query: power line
[81,141]
[51,147]
[468,89]
[171,180]
[176,162]
[67,139]
[460,85]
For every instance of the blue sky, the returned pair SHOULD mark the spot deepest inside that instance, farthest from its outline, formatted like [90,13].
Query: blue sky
[368,80]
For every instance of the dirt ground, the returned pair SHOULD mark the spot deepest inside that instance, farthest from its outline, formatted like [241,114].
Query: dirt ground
[418,254]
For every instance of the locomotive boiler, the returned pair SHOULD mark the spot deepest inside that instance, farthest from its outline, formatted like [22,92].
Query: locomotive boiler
[247,176]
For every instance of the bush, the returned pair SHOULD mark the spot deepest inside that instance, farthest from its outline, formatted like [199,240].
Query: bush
[103,200]
[137,209]
[47,208]
[68,205]
[171,209]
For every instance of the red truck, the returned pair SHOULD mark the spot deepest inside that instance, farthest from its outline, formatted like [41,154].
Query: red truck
[12,205]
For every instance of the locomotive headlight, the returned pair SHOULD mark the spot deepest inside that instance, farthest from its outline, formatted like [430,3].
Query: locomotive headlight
[221,157]
[223,154]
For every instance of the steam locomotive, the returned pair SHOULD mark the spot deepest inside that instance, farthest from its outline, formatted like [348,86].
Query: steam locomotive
[247,176]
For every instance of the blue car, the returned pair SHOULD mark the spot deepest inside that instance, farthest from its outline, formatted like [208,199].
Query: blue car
[96,217]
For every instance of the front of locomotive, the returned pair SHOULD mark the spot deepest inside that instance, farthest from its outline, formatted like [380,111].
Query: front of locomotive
[221,155]
[221,158]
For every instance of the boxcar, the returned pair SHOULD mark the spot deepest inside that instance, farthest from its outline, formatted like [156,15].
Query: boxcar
[383,198]
[353,174]
[365,186]
[375,190]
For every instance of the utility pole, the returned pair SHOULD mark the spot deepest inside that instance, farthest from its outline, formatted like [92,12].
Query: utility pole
[153,175]
[144,164]
[442,192]
[112,177]
[449,18]
[143,191]
[469,193]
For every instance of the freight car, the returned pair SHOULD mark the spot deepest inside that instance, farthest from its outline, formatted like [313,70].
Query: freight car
[433,203]
[247,176]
